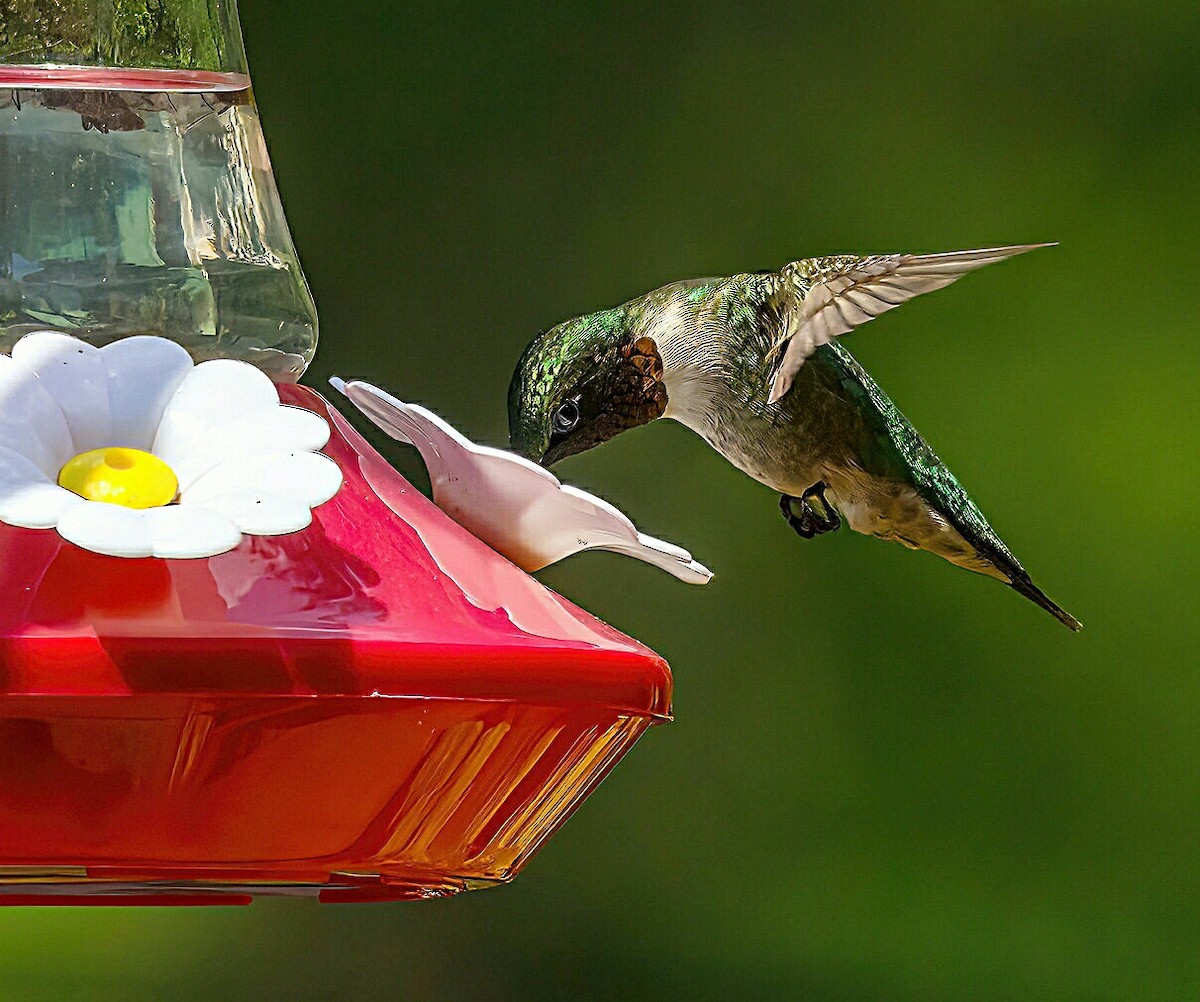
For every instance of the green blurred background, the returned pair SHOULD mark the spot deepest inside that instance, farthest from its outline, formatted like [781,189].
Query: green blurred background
[887,778]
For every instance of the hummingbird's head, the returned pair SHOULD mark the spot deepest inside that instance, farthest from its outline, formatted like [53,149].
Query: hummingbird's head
[579,384]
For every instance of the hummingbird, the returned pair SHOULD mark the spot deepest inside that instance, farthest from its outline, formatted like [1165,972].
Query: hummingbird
[751,363]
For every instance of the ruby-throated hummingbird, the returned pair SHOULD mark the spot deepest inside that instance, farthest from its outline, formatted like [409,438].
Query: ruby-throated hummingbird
[750,364]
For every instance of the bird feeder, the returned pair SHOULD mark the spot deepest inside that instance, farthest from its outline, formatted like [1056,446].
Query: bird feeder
[239,653]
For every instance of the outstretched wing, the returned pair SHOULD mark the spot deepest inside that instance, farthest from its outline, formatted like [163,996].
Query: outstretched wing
[822,298]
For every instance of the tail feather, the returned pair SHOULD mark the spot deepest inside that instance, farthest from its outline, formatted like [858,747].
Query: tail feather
[1021,583]
[913,462]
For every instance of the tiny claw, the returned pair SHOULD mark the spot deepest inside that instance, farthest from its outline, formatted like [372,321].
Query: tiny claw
[817,516]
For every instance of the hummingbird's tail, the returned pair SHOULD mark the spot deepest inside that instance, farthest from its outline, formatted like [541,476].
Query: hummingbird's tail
[1021,583]
[908,495]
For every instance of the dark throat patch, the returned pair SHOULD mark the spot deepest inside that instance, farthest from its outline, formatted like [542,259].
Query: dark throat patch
[638,393]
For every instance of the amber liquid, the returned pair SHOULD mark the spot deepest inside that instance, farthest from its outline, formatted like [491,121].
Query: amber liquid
[147,211]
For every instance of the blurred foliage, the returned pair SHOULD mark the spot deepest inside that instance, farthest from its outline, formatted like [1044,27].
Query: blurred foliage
[888,778]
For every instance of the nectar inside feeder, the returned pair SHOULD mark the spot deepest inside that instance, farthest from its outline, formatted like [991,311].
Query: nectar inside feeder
[292,673]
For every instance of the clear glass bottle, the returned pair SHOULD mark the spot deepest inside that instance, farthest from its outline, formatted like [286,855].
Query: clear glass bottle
[136,193]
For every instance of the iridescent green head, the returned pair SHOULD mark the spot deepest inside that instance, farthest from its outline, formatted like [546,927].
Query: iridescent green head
[579,384]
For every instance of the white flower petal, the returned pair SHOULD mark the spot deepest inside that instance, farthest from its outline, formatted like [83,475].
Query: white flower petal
[111,529]
[143,374]
[302,476]
[16,468]
[74,374]
[35,505]
[258,513]
[219,390]
[219,423]
[31,422]
[193,448]
[222,393]
[190,451]
[182,532]
[280,428]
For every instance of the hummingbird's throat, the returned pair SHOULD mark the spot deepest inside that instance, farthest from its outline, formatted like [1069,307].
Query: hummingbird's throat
[640,391]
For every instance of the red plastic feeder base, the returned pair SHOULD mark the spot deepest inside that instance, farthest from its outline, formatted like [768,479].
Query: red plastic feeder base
[376,708]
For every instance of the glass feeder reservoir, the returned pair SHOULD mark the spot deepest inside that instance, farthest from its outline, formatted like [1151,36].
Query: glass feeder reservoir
[136,194]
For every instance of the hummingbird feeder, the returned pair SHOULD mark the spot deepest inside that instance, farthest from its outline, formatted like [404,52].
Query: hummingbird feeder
[239,653]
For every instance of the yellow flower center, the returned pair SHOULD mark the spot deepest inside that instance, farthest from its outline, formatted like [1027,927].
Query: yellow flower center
[117,475]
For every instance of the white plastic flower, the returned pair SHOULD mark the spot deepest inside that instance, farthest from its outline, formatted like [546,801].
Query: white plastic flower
[235,459]
[515,506]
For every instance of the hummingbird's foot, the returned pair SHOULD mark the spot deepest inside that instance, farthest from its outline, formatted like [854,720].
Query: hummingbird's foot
[816,515]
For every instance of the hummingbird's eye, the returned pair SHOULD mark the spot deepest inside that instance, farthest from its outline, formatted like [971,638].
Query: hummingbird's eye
[567,416]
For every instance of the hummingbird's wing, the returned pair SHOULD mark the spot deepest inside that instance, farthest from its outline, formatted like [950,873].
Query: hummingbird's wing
[822,298]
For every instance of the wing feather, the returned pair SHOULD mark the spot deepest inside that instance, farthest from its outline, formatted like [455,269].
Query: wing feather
[824,298]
